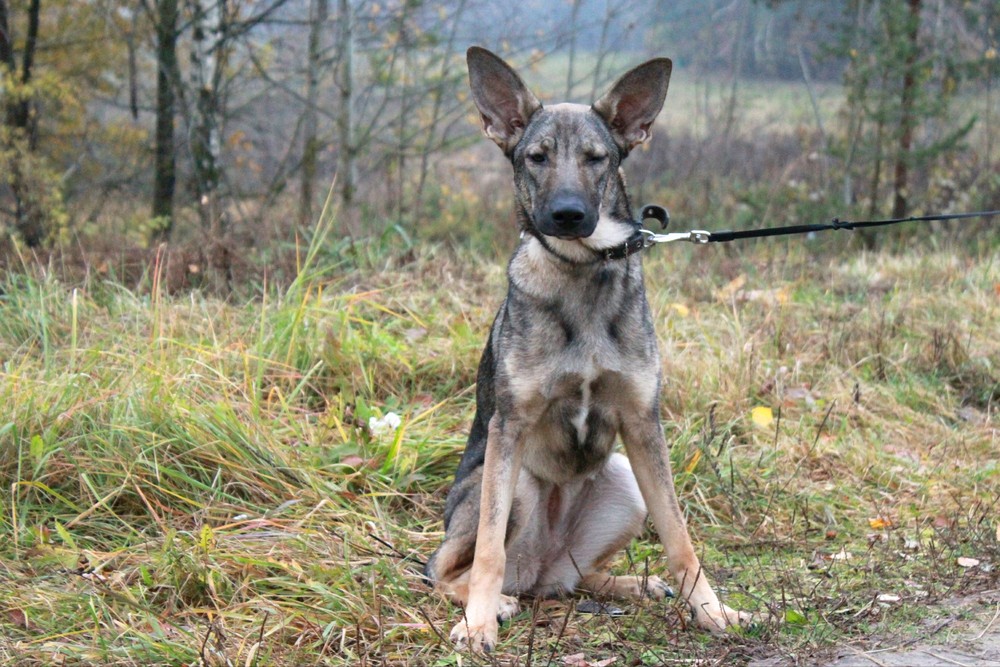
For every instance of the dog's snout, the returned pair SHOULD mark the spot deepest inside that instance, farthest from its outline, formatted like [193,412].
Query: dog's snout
[568,216]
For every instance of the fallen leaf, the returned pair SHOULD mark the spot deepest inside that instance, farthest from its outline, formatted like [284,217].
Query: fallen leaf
[843,554]
[731,288]
[879,522]
[693,463]
[353,461]
[680,309]
[888,597]
[965,561]
[18,618]
[793,617]
[777,296]
[762,416]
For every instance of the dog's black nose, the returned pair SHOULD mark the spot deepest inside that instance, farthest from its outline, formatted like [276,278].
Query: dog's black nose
[568,214]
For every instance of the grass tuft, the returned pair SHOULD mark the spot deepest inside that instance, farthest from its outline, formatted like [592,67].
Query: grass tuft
[192,481]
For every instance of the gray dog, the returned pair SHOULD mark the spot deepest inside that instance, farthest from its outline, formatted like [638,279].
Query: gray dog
[540,504]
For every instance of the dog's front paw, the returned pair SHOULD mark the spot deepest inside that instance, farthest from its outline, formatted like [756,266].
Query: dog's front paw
[716,617]
[480,638]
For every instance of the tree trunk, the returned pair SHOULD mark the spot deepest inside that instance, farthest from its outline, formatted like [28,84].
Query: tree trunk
[906,119]
[345,119]
[573,17]
[205,143]
[433,143]
[21,121]
[17,114]
[165,158]
[6,44]
[319,11]
[21,116]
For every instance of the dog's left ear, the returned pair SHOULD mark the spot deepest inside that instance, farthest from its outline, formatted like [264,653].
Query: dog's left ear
[631,106]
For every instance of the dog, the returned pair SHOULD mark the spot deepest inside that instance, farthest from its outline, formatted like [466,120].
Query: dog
[540,502]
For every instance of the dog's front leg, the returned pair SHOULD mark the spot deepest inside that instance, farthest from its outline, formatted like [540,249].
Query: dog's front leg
[649,456]
[478,630]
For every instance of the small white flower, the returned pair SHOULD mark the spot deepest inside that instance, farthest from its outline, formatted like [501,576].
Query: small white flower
[393,420]
[387,424]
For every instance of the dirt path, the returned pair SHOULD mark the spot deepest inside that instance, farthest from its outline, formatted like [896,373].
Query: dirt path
[967,634]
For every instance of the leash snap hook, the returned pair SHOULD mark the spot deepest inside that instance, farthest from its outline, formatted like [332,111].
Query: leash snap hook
[700,236]
[649,239]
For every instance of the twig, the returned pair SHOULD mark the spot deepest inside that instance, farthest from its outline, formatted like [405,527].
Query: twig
[204,643]
[562,631]
[434,629]
[990,624]
[535,605]
[260,638]
[942,658]
[866,656]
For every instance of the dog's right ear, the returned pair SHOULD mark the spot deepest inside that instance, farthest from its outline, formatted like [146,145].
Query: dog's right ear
[505,103]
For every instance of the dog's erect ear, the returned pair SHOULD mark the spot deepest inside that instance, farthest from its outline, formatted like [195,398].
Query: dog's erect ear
[505,103]
[631,106]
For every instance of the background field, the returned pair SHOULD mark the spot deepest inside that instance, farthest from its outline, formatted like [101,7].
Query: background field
[193,481]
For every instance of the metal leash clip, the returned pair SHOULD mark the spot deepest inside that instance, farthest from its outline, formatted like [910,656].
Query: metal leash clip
[698,236]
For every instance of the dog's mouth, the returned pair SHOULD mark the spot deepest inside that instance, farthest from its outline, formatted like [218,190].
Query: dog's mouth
[574,237]
[576,232]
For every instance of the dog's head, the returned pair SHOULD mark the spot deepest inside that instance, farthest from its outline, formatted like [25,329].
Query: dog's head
[566,156]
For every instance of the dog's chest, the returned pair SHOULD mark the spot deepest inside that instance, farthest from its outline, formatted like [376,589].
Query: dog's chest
[574,401]
[578,355]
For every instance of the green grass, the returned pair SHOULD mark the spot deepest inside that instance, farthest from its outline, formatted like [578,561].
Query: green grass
[191,481]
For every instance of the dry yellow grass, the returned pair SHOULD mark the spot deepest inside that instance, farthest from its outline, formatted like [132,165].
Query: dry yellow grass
[188,481]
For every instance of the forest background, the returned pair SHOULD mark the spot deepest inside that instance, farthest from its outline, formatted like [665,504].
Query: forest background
[250,251]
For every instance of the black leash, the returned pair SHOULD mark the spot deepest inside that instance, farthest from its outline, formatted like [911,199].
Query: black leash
[643,238]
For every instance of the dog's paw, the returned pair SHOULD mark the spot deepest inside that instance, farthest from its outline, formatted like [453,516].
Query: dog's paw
[717,617]
[508,608]
[658,589]
[476,638]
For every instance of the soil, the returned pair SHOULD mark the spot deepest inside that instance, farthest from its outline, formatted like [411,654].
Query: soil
[965,631]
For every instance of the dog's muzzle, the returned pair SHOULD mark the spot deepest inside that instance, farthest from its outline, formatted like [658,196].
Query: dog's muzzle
[567,217]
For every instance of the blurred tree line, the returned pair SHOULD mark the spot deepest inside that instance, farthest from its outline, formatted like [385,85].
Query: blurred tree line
[231,117]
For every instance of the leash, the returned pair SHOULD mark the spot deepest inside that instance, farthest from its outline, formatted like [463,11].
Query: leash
[701,236]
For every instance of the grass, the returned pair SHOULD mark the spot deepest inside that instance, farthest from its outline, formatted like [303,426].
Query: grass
[191,481]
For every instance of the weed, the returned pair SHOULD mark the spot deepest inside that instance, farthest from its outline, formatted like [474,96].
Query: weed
[193,481]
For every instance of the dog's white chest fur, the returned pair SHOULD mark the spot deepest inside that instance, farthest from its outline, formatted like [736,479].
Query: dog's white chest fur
[580,420]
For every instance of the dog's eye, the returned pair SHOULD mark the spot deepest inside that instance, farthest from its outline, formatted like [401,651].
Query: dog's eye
[538,158]
[597,158]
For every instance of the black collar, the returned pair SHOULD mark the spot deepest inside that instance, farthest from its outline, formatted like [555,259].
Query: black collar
[633,245]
